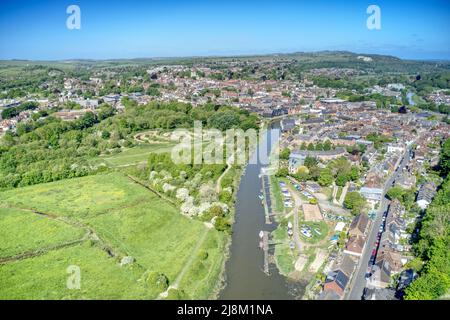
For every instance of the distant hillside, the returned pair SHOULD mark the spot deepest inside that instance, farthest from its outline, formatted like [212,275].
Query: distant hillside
[320,59]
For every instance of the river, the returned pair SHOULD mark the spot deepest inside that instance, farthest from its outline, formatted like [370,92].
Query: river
[244,276]
[410,99]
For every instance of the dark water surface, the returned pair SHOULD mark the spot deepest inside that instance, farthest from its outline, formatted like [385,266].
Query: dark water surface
[244,276]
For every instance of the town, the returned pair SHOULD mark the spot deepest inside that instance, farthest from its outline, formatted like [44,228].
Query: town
[359,159]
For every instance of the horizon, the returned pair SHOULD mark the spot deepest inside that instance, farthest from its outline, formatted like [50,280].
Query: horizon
[212,56]
[36,30]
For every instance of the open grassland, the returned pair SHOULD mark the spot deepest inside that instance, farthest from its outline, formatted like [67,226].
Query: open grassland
[284,256]
[78,198]
[156,237]
[124,220]
[275,191]
[23,232]
[201,278]
[135,155]
[319,231]
[46,276]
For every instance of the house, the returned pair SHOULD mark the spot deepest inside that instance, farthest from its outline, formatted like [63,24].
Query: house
[329,295]
[406,180]
[355,245]
[70,115]
[287,124]
[297,158]
[359,225]
[387,265]
[426,195]
[396,209]
[379,294]
[111,99]
[392,148]
[338,279]
[372,194]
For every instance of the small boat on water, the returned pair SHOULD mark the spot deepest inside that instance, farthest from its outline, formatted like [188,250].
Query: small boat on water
[261,197]
[261,234]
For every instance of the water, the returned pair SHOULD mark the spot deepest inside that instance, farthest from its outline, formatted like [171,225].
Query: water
[410,99]
[244,274]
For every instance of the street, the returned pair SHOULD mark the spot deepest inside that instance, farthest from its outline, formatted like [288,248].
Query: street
[358,282]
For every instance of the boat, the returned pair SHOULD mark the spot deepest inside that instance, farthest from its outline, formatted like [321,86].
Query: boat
[261,197]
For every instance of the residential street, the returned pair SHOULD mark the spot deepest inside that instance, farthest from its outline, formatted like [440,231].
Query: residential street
[358,282]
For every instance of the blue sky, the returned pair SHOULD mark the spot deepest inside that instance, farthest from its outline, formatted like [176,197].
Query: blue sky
[31,29]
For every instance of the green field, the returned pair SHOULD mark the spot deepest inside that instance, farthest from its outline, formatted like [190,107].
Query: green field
[45,277]
[40,232]
[135,155]
[275,191]
[339,193]
[78,197]
[284,256]
[321,226]
[125,217]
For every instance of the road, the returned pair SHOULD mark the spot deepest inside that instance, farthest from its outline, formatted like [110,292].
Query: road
[298,205]
[358,282]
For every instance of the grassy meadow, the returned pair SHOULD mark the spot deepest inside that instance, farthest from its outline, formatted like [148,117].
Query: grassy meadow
[23,232]
[125,217]
[135,155]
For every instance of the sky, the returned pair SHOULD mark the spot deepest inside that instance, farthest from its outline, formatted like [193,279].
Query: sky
[36,30]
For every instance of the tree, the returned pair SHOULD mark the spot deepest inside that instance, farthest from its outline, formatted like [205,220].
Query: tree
[222,224]
[327,145]
[325,177]
[105,134]
[105,112]
[395,193]
[224,120]
[282,172]
[158,281]
[154,92]
[355,202]
[302,174]
[341,180]
[444,162]
[341,166]
[310,162]
[285,154]
[86,121]
[15,111]
[354,173]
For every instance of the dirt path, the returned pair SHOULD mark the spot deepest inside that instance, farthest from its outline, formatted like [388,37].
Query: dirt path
[90,234]
[162,196]
[143,137]
[298,204]
[343,194]
[187,265]
[219,181]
